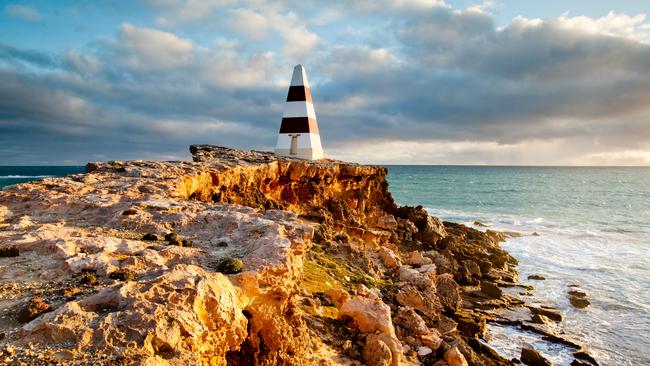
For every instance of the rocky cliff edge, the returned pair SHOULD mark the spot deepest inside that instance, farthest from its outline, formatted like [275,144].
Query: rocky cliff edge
[240,258]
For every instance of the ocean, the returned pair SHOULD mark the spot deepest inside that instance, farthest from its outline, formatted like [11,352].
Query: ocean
[17,174]
[593,227]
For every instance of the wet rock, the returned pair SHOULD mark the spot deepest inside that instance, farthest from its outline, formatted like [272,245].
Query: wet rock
[149,237]
[580,363]
[9,252]
[548,313]
[582,355]
[33,309]
[541,319]
[578,299]
[230,266]
[531,357]
[536,277]
[491,289]
[480,224]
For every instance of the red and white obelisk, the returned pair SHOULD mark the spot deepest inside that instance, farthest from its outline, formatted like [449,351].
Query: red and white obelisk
[299,135]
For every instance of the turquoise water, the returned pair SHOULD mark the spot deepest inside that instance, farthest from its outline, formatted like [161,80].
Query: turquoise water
[17,174]
[594,231]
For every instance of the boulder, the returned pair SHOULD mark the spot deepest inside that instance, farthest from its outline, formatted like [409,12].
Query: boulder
[532,358]
[579,302]
[491,289]
[425,301]
[432,339]
[430,229]
[453,357]
[377,353]
[416,259]
[337,296]
[448,292]
[536,277]
[541,319]
[556,316]
[578,299]
[369,312]
[376,347]
[408,319]
[389,258]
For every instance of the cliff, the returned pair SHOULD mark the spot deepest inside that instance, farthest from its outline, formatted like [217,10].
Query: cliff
[241,258]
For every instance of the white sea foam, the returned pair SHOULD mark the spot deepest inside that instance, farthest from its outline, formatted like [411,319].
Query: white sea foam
[610,265]
[24,176]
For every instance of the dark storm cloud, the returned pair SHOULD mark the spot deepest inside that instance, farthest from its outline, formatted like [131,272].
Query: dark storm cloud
[429,75]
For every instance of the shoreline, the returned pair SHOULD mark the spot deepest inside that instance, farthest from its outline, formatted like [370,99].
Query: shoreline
[393,270]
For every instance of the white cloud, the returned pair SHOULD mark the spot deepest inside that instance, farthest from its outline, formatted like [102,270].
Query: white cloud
[151,49]
[613,24]
[250,23]
[23,12]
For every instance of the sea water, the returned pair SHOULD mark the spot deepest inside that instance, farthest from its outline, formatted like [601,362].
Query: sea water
[592,229]
[18,174]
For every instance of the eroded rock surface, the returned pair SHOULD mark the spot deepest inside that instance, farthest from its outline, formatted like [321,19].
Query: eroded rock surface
[321,267]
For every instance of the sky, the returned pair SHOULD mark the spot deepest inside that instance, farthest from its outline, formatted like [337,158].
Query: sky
[511,82]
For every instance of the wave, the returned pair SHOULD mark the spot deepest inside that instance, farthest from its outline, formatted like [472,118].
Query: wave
[24,176]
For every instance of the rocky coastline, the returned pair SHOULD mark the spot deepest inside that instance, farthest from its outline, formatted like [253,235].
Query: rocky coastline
[245,258]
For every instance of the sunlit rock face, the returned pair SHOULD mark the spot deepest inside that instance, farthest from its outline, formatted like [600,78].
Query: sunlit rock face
[238,257]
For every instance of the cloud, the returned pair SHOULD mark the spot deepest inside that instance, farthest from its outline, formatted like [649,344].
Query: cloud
[145,48]
[23,12]
[416,82]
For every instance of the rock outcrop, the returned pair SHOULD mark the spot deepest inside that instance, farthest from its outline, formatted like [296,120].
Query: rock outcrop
[266,261]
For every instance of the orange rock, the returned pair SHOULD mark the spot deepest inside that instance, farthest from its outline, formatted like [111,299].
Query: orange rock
[337,296]
[455,358]
[369,313]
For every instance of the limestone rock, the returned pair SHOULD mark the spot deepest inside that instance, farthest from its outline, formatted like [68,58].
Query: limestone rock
[453,357]
[532,358]
[337,296]
[411,321]
[448,292]
[491,289]
[425,301]
[377,345]
[377,353]
[389,258]
[370,314]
